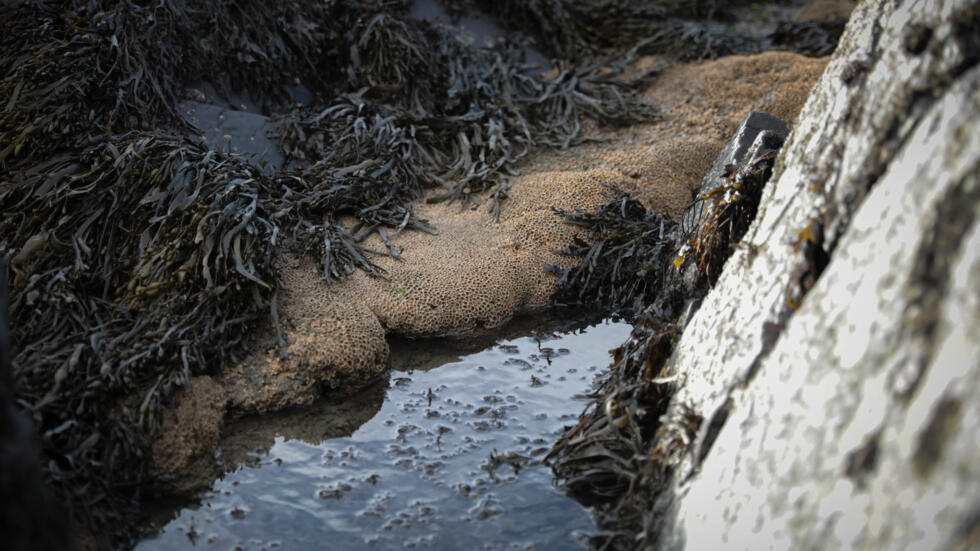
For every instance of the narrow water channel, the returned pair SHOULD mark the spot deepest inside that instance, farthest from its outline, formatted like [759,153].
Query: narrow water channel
[447,456]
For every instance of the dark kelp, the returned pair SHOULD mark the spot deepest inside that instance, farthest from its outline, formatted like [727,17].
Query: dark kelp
[627,261]
[461,132]
[140,257]
[626,444]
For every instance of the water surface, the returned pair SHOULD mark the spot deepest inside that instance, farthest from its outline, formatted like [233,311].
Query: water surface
[449,461]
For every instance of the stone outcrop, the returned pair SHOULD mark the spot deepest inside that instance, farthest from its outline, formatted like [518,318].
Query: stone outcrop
[836,362]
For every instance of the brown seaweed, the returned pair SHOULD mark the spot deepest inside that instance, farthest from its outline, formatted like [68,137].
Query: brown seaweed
[627,261]
[572,29]
[141,257]
[812,39]
[628,442]
[462,132]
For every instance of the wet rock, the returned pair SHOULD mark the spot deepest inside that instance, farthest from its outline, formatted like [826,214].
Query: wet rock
[183,452]
[234,131]
[834,363]
[758,131]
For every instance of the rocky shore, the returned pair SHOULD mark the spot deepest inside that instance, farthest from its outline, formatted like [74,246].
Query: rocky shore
[822,395]
[478,272]
[812,390]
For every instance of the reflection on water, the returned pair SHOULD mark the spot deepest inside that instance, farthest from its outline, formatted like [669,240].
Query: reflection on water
[450,461]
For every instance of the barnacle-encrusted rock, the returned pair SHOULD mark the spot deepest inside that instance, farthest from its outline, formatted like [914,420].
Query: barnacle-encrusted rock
[476,273]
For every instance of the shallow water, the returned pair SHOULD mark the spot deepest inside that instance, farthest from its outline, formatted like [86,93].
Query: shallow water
[449,461]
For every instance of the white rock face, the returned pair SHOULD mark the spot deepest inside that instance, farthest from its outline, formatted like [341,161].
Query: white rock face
[849,409]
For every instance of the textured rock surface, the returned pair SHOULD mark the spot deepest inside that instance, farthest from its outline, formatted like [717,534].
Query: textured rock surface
[477,273]
[183,455]
[735,151]
[841,400]
[331,340]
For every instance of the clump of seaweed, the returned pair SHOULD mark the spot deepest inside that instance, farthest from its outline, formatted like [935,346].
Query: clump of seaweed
[78,68]
[570,28]
[138,262]
[684,31]
[30,517]
[812,39]
[141,257]
[723,214]
[627,443]
[628,260]
[461,132]
[697,41]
